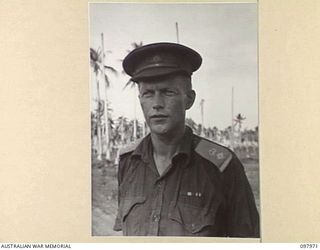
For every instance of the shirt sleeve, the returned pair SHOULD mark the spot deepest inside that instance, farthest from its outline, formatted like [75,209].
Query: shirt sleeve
[242,214]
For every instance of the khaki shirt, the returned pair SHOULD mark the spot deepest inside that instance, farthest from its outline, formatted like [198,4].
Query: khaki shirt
[204,192]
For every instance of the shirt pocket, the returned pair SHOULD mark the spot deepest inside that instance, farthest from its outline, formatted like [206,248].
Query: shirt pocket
[127,204]
[130,214]
[193,220]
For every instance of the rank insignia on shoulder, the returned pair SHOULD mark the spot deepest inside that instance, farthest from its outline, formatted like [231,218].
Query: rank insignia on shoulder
[215,153]
[130,147]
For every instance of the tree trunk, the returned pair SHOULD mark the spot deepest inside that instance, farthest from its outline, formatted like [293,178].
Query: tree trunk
[99,140]
[135,115]
[106,115]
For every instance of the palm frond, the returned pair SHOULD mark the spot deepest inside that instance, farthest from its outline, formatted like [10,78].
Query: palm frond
[111,121]
[113,70]
[107,80]
[93,55]
[129,83]
[136,45]
[99,51]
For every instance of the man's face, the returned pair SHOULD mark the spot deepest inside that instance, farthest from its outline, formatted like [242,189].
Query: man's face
[164,103]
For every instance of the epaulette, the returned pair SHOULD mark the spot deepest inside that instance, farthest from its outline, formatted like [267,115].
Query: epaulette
[215,153]
[130,147]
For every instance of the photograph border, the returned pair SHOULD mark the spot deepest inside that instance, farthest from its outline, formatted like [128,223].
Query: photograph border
[45,185]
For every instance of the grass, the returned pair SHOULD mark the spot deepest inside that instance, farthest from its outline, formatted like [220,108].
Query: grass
[104,199]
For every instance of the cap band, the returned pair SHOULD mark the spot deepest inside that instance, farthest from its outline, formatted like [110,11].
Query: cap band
[156,65]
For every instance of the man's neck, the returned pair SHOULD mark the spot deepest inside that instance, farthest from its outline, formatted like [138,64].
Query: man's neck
[164,148]
[167,146]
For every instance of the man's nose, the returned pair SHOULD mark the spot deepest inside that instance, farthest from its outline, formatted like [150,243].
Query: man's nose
[158,102]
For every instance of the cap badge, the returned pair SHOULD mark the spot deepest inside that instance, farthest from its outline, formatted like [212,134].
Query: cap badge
[156,59]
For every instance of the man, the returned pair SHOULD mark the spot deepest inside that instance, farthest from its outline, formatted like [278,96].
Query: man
[174,183]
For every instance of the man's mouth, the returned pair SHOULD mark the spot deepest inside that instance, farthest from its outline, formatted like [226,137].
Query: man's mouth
[158,116]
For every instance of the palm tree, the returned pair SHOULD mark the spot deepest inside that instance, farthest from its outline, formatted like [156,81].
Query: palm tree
[202,116]
[134,46]
[192,124]
[215,133]
[96,59]
[94,62]
[133,85]
[239,119]
[94,131]
[99,69]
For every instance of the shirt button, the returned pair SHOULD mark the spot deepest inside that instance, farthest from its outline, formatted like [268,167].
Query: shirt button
[156,218]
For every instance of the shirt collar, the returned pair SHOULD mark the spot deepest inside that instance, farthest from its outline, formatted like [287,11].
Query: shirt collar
[144,149]
[186,142]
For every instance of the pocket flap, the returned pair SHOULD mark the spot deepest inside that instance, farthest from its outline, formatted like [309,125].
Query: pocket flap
[193,219]
[127,203]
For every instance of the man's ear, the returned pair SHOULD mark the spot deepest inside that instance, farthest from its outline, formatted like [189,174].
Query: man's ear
[191,96]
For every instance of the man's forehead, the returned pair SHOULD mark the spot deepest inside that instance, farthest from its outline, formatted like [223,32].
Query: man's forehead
[159,85]
[174,81]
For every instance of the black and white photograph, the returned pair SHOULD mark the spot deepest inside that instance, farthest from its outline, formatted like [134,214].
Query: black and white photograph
[170,122]
[174,119]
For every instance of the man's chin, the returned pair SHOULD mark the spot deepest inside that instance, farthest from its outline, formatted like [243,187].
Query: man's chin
[159,129]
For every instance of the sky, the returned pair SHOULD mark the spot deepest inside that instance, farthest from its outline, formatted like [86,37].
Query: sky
[225,35]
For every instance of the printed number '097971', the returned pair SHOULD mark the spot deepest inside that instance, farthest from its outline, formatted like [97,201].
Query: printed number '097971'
[308,245]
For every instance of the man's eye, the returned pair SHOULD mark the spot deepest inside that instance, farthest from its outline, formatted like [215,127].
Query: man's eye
[147,94]
[170,92]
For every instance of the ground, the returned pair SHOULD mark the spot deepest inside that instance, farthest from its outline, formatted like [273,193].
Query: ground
[104,198]
[104,194]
